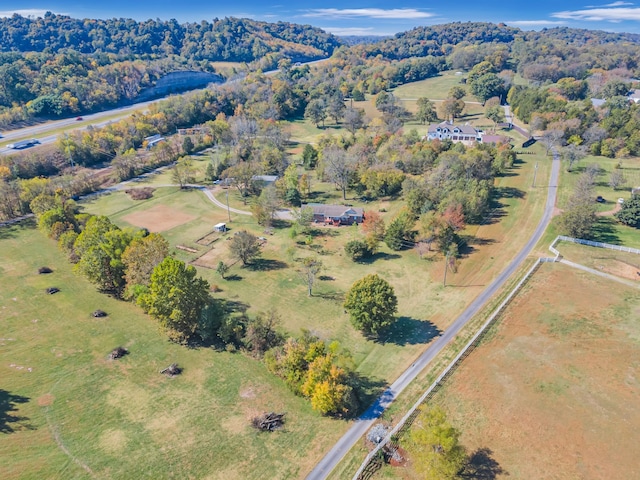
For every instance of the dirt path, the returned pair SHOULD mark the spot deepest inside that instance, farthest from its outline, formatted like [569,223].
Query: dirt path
[610,213]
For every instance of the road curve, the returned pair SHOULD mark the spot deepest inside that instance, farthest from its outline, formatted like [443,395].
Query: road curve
[366,420]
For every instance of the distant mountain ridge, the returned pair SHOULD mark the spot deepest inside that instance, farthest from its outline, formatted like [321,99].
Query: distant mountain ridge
[229,39]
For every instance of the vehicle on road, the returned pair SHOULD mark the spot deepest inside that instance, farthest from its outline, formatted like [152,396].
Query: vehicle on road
[79,119]
[23,144]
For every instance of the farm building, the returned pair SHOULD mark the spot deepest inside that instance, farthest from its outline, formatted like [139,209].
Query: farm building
[336,214]
[220,227]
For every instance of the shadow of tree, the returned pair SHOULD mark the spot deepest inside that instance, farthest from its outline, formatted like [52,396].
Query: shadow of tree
[8,404]
[409,331]
[508,192]
[234,306]
[379,256]
[482,466]
[366,390]
[233,278]
[264,264]
[604,231]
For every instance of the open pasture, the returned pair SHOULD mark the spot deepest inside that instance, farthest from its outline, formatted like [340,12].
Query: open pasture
[554,388]
[70,412]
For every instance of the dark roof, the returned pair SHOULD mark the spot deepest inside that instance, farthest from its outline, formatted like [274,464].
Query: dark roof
[333,211]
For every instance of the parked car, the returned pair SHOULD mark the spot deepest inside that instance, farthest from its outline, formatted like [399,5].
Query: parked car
[599,199]
[621,201]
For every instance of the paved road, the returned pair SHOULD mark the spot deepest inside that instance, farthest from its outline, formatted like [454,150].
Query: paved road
[362,424]
[93,120]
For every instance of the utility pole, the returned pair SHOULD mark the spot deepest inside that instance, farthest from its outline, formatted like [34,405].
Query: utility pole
[228,210]
[535,172]
[446,267]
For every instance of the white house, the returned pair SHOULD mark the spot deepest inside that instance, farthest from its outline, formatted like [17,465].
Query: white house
[456,133]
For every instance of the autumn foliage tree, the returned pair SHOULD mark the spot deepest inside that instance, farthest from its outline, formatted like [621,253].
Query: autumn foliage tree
[140,258]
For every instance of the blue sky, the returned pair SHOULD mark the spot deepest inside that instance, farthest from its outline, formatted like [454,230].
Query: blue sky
[354,17]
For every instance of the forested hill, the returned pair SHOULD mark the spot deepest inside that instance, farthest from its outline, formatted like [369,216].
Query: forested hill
[440,40]
[231,39]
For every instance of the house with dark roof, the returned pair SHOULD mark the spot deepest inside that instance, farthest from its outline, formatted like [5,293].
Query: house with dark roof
[456,133]
[336,214]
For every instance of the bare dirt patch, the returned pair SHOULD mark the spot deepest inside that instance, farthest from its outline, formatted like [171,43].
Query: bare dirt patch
[46,400]
[158,218]
[555,389]
[213,256]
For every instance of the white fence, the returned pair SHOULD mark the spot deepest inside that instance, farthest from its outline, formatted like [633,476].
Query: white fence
[620,248]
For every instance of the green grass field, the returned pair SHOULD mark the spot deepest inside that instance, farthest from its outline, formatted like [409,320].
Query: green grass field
[67,410]
[607,229]
[435,88]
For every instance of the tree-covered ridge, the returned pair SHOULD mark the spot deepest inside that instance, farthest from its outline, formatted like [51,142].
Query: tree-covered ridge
[549,54]
[232,39]
[439,40]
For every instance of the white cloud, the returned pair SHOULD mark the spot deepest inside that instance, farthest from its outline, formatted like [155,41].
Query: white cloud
[33,12]
[534,23]
[600,14]
[394,13]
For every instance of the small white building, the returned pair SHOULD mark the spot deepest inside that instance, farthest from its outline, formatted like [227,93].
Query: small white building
[220,227]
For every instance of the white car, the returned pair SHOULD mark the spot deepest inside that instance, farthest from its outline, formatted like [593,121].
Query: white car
[621,200]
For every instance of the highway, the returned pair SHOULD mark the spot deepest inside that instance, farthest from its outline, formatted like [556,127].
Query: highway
[368,418]
[94,120]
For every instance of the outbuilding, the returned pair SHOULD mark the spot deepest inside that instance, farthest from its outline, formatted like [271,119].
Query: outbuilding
[220,227]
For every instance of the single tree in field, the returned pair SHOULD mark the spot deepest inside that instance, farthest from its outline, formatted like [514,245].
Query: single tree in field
[176,298]
[371,304]
[242,176]
[572,154]
[309,157]
[617,180]
[262,333]
[457,92]
[316,111]
[222,269]
[354,119]
[310,269]
[187,145]
[183,172]
[244,246]
[426,111]
[495,113]
[339,167]
[450,108]
[434,446]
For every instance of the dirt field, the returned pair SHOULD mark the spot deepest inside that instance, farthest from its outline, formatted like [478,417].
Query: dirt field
[554,393]
[158,218]
[621,264]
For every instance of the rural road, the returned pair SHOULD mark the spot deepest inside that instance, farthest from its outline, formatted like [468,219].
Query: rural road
[368,418]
